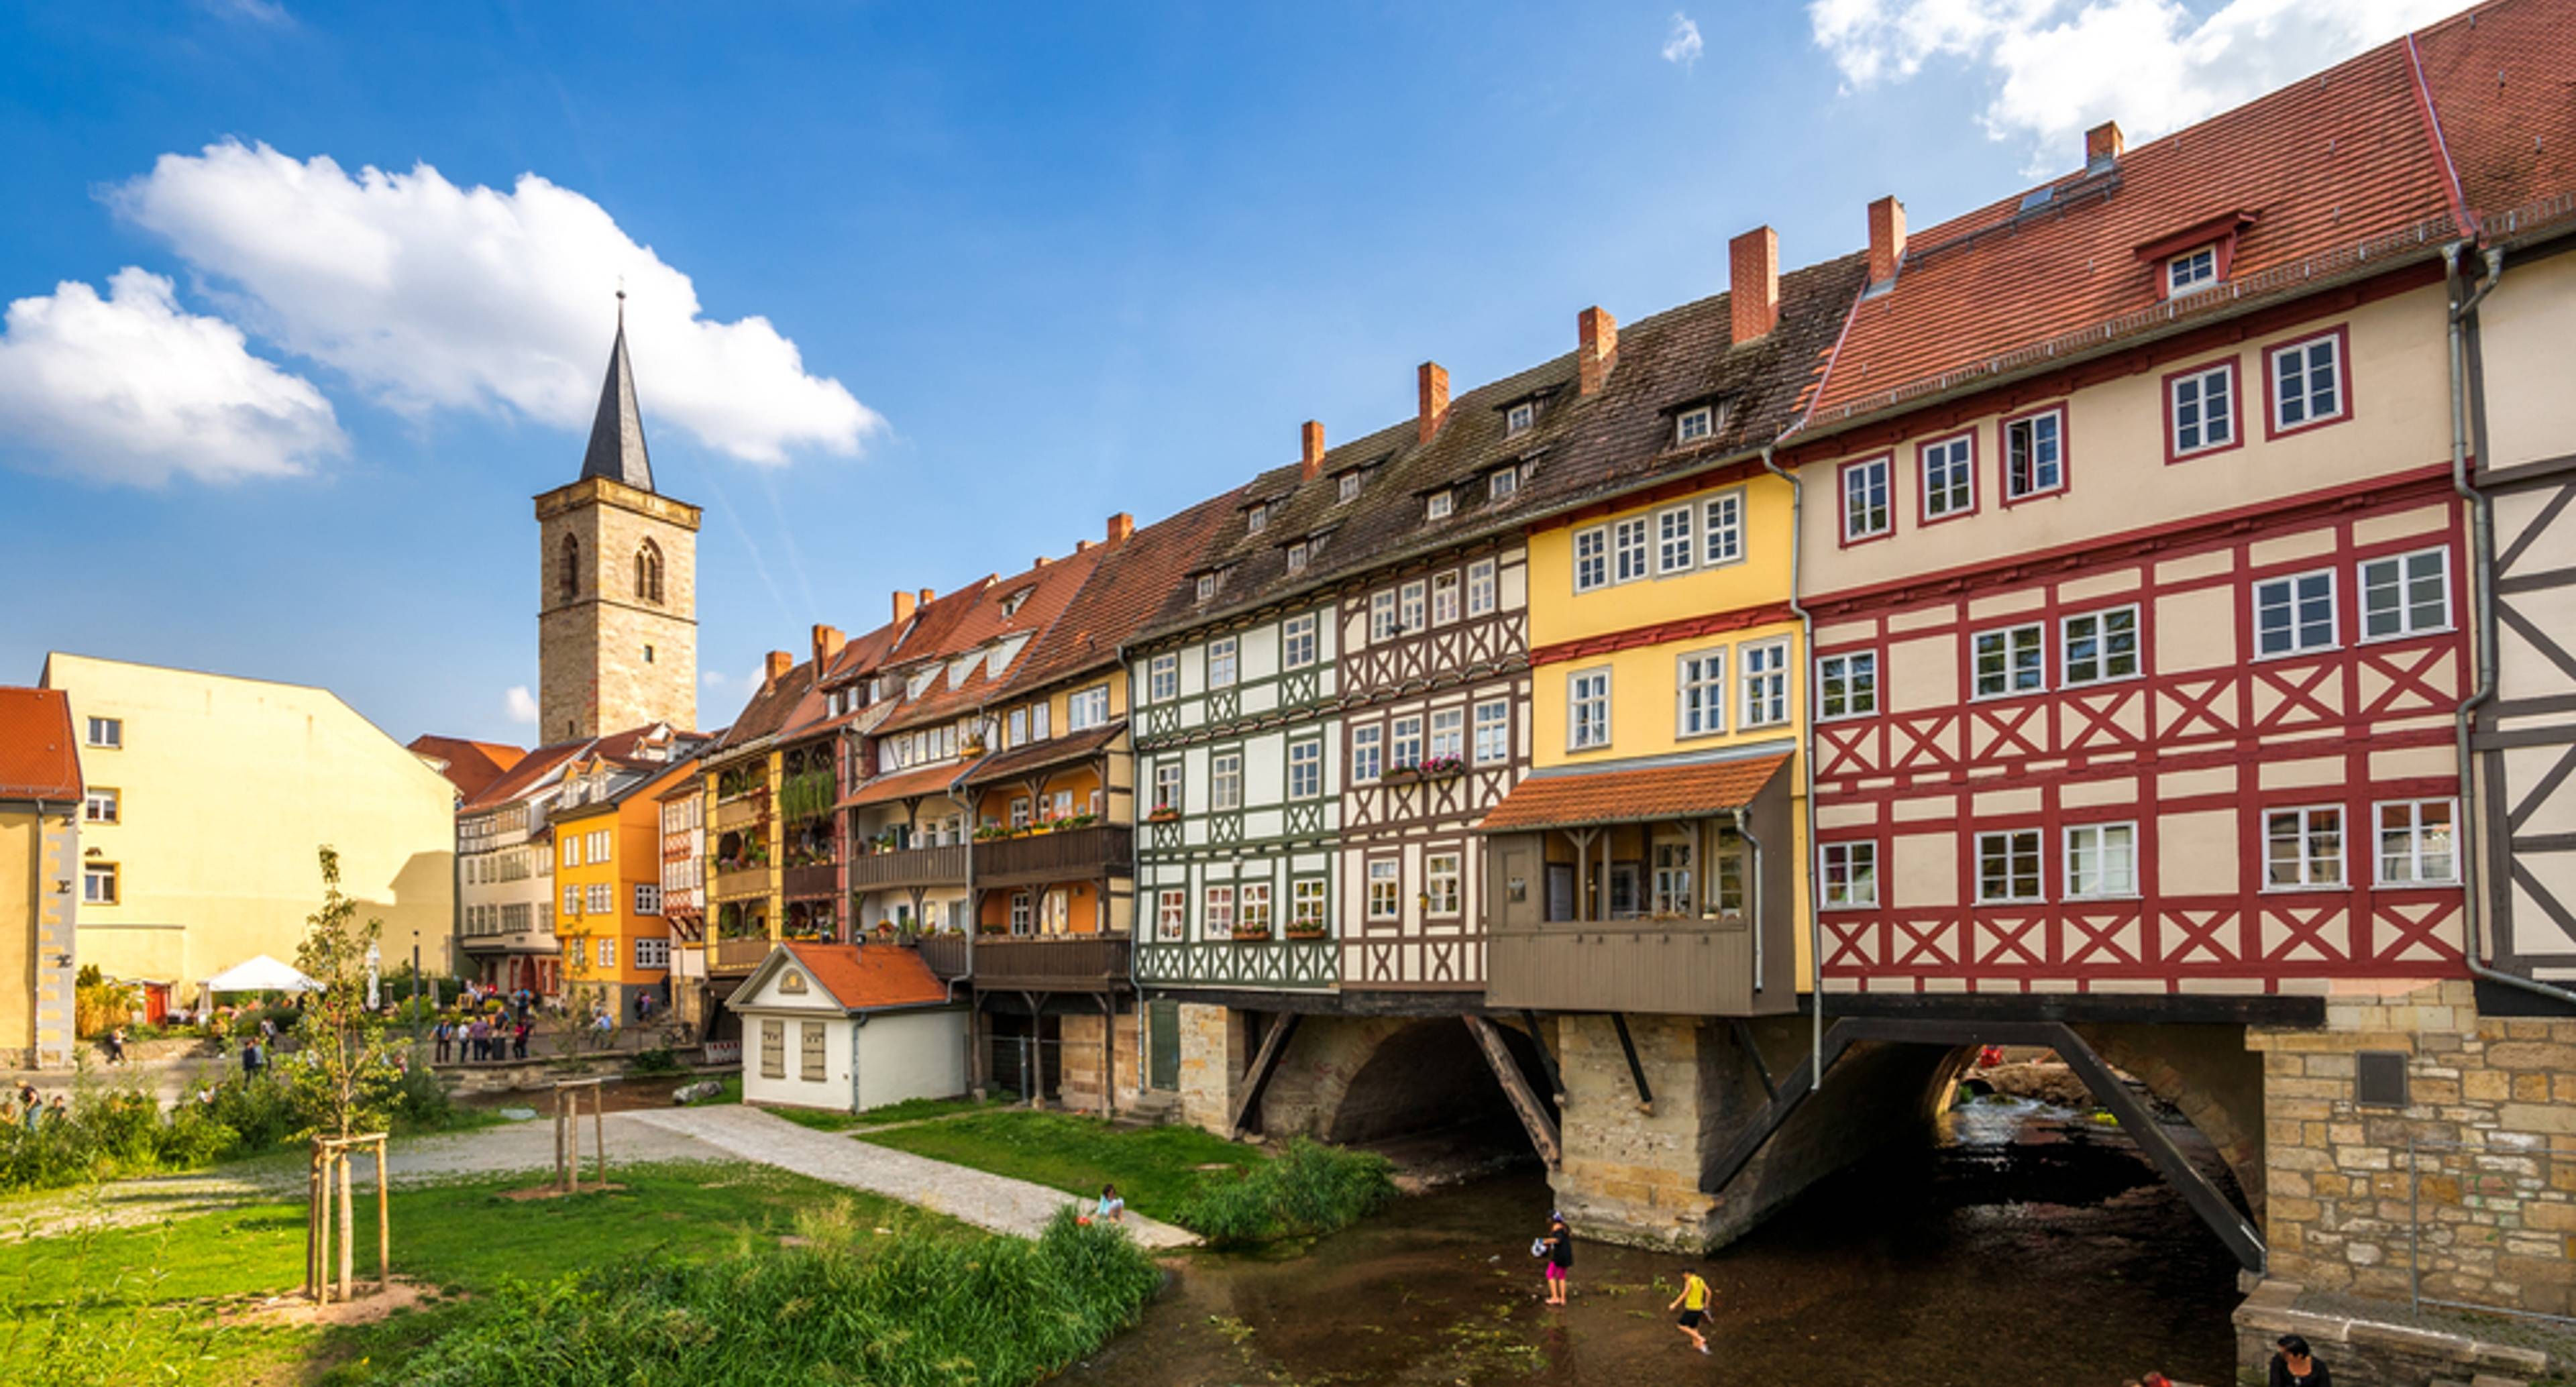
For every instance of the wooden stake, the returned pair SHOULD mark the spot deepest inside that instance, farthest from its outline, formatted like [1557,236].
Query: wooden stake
[573,1171]
[599,1135]
[559,1139]
[348,1234]
[313,1215]
[384,1221]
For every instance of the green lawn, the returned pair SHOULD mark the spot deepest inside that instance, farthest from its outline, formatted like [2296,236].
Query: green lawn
[909,1110]
[1155,1168]
[102,1309]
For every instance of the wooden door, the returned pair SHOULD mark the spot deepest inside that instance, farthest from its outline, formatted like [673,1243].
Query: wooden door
[1164,1023]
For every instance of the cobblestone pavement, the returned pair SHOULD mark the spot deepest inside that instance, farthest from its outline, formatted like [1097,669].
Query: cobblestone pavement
[997,1202]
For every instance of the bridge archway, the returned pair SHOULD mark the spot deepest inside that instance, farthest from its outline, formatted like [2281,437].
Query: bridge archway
[1359,1080]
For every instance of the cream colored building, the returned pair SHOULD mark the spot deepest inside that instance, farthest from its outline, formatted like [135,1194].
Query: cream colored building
[223,791]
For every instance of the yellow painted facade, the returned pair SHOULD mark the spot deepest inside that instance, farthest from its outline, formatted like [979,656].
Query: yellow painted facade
[602,854]
[1627,622]
[226,788]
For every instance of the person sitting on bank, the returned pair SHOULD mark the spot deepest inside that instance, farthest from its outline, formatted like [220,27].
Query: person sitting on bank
[2295,1366]
[1112,1209]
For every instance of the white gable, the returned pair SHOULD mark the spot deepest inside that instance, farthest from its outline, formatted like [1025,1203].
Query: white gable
[785,985]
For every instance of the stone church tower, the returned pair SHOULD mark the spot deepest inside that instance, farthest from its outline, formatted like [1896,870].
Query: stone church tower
[617,634]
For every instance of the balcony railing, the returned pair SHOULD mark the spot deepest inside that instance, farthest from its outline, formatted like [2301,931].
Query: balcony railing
[1051,962]
[1676,967]
[945,953]
[1080,854]
[737,955]
[941,866]
[737,813]
[733,883]
[810,882]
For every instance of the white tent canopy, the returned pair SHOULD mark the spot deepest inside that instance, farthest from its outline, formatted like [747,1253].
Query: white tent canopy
[261,974]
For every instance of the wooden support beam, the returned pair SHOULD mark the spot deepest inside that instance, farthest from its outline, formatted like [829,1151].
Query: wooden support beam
[1740,1152]
[1265,1063]
[1753,1052]
[1636,1071]
[1546,1059]
[2139,1121]
[1507,1071]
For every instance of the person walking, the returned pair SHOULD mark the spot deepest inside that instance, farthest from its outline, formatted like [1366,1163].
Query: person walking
[445,1034]
[476,1031]
[1693,1302]
[519,1039]
[2294,1366]
[114,1045]
[1559,1250]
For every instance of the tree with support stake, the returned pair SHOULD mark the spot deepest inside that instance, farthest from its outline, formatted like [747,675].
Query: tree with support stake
[341,1079]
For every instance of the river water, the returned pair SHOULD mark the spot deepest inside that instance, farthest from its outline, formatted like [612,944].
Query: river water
[2026,1246]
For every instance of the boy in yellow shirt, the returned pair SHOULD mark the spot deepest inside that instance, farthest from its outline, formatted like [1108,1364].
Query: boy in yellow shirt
[1693,1302]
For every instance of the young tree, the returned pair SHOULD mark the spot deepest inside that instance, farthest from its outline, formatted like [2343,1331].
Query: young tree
[346,1070]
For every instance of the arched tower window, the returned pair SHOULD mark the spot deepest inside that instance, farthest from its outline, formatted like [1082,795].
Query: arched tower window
[648,573]
[571,581]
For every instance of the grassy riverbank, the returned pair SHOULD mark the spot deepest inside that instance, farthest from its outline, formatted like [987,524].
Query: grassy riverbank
[615,1286]
[909,1110]
[1226,1191]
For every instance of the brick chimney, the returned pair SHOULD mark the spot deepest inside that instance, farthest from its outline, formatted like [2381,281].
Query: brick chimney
[1122,527]
[827,644]
[1434,380]
[1886,239]
[2103,145]
[1310,450]
[1753,283]
[775,668]
[902,607]
[926,595]
[1596,349]
[1039,562]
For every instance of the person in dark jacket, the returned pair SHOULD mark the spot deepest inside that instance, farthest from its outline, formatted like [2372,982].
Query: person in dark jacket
[1560,1259]
[2294,1366]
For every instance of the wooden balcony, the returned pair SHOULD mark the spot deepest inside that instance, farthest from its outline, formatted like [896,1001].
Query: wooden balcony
[1081,854]
[941,866]
[742,812]
[737,955]
[1674,967]
[1051,962]
[816,881]
[734,883]
[945,953]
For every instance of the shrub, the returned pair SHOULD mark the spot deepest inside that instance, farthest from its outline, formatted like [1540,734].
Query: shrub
[915,1307]
[654,1062]
[1310,1189]
[418,1101]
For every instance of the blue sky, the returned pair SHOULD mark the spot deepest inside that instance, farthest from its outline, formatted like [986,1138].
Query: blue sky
[1020,267]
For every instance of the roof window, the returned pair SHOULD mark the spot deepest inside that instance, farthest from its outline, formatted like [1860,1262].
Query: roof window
[1346,487]
[1503,483]
[1011,605]
[1694,425]
[2191,271]
[1439,504]
[1257,518]
[1520,417]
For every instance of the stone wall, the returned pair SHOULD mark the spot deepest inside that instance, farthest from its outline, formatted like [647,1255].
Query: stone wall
[2491,1103]
[1212,1062]
[1079,1079]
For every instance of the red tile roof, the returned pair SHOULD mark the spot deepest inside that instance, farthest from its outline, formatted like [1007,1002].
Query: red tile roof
[468,765]
[2321,165]
[885,789]
[1126,587]
[2498,77]
[38,758]
[865,977]
[1632,796]
[530,772]
[1038,756]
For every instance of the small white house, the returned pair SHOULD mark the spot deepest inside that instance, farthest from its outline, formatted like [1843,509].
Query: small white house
[849,1026]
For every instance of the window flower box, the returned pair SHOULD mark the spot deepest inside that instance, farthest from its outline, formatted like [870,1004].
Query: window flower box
[1163,814]
[1246,934]
[1306,931]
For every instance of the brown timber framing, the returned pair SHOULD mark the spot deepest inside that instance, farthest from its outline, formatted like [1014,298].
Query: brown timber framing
[1507,1072]
[1265,1066]
[2136,1118]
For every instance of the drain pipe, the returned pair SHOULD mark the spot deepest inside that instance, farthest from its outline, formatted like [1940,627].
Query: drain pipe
[1744,830]
[2482,603]
[1806,762]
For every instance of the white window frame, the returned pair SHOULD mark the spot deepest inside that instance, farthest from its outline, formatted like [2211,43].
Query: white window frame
[1498,727]
[1412,608]
[1404,742]
[1368,753]
[1483,588]
[1298,645]
[92,873]
[1382,620]
[1252,906]
[1502,484]
[1306,768]
[2104,657]
[1256,519]
[1386,888]
[2299,644]
[1307,899]
[1854,518]
[1676,540]
[1084,710]
[1519,418]
[1592,558]
[1765,677]
[1225,781]
[1444,882]
[2028,426]
[2405,580]
[648,898]
[1954,494]
[1163,677]
[2013,647]
[2415,852]
[1438,505]
[1700,692]
[2305,830]
[1216,910]
[1587,712]
[1632,549]
[1448,734]
[1857,861]
[1346,487]
[2278,399]
[98,796]
[1694,425]
[1171,913]
[1858,671]
[1721,528]
[106,734]
[2192,271]
[1224,662]
[1207,586]
[2225,419]
[1445,601]
[653,955]
[2011,842]
[2096,882]
[1297,553]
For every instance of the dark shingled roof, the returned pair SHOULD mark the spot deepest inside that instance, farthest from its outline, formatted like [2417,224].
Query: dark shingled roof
[1581,447]
[617,431]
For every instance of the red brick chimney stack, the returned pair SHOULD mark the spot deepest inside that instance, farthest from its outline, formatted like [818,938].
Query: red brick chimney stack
[827,644]
[2103,145]
[902,607]
[1596,349]
[1434,380]
[1753,283]
[1310,450]
[775,668]
[1886,239]
[1122,526]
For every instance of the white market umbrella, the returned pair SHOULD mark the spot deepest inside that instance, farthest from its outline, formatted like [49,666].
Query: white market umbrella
[260,974]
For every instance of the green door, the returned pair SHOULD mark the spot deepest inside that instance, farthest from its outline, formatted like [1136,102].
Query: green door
[1164,1023]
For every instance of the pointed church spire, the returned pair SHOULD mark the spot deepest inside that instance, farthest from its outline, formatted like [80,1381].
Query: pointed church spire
[617,433]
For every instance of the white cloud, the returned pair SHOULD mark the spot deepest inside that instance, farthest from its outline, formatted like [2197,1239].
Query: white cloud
[520,705]
[133,388]
[429,295]
[1682,46]
[257,11]
[2060,68]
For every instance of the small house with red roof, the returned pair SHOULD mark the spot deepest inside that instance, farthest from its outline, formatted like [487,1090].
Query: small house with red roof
[849,1026]
[40,822]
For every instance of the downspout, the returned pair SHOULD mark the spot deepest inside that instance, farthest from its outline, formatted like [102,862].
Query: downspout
[1806,758]
[2482,616]
[1744,830]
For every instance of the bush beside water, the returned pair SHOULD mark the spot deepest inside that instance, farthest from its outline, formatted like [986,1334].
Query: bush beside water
[843,1308]
[1308,1190]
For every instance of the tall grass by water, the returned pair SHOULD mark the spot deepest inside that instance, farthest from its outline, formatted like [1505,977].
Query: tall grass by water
[909,1309]
[1308,1189]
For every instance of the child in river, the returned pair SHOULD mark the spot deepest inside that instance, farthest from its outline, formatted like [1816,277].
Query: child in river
[1559,1245]
[1693,1303]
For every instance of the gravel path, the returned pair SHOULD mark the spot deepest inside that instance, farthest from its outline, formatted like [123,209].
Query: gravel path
[997,1202]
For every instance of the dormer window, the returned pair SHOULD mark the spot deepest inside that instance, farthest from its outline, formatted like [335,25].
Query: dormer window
[1347,487]
[1207,586]
[2191,271]
[1503,485]
[1257,519]
[1297,556]
[1520,417]
[1011,605]
[1439,505]
[1694,425]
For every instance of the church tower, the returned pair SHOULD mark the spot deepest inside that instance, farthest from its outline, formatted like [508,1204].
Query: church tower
[617,631]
